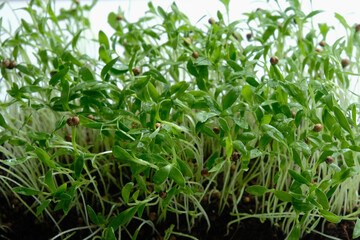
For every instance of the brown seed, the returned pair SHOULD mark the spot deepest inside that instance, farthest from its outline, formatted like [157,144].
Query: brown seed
[205,172]
[76,121]
[136,71]
[195,54]
[12,65]
[218,194]
[90,116]
[5,63]
[153,216]
[119,17]
[246,199]
[235,156]
[216,130]
[322,43]
[163,194]
[345,63]
[331,225]
[172,237]
[150,188]
[318,50]
[248,36]
[77,1]
[357,27]
[329,160]
[70,121]
[73,121]
[68,138]
[318,127]
[80,220]
[187,41]
[211,21]
[52,73]
[293,114]
[233,168]
[158,125]
[306,140]
[274,60]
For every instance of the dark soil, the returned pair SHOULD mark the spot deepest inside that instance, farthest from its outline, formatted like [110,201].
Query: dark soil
[16,223]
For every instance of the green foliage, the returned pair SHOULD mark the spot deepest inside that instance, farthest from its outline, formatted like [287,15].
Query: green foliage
[173,113]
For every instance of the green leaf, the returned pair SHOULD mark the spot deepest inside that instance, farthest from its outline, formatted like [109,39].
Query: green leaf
[42,206]
[44,157]
[123,218]
[75,39]
[302,147]
[329,216]
[126,190]
[229,99]
[121,153]
[295,233]
[257,190]
[342,120]
[59,75]
[247,93]
[107,67]
[274,133]
[299,178]
[239,146]
[322,199]
[92,215]
[3,123]
[356,232]
[50,181]
[162,174]
[79,165]
[86,74]
[110,234]
[283,196]
[177,176]
[26,191]
[103,39]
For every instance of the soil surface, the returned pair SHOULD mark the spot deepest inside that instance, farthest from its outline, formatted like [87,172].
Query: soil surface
[16,223]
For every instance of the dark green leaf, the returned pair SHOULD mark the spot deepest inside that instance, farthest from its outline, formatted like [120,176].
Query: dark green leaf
[257,190]
[123,218]
[92,215]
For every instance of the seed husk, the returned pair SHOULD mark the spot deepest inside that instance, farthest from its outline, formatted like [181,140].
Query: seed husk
[195,54]
[205,172]
[163,194]
[5,63]
[249,36]
[68,138]
[318,127]
[216,130]
[73,121]
[211,21]
[246,199]
[153,216]
[52,73]
[12,65]
[318,50]
[274,60]
[329,160]
[357,27]
[345,63]
[136,71]
[235,156]
[158,125]
[187,41]
[322,43]
[90,116]
[293,114]
[119,17]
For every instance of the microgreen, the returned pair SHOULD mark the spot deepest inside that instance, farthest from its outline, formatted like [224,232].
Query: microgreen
[170,116]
